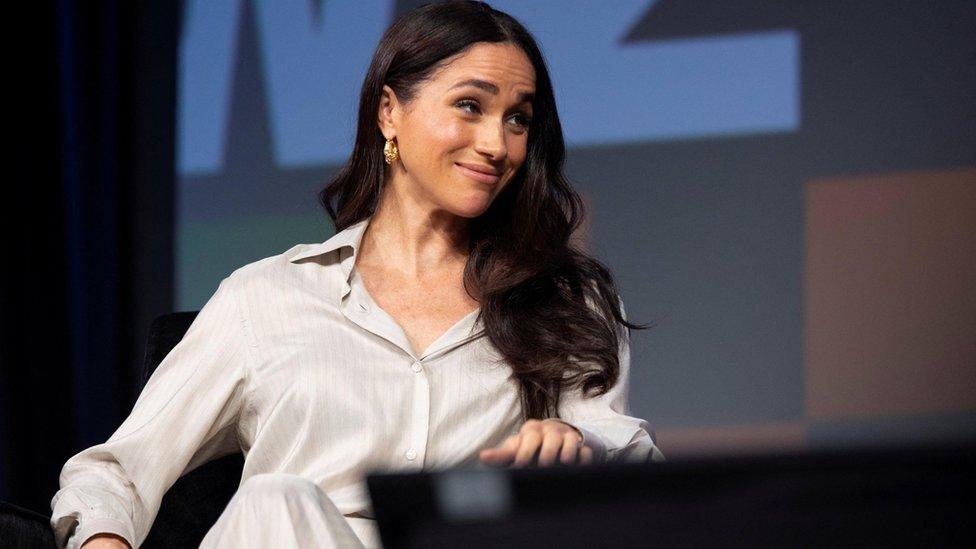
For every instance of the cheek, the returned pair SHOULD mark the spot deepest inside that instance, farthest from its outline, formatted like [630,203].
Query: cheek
[430,144]
[518,149]
[447,138]
[442,131]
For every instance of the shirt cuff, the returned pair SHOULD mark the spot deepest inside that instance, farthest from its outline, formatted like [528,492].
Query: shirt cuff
[604,451]
[100,525]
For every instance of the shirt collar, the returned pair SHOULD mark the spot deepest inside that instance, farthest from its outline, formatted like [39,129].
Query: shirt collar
[351,236]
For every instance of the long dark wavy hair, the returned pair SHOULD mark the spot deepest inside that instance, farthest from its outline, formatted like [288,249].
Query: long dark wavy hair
[551,311]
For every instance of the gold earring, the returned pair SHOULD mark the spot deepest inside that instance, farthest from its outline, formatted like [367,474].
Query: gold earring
[390,151]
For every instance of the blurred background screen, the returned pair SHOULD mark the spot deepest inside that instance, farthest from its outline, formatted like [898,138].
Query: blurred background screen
[786,189]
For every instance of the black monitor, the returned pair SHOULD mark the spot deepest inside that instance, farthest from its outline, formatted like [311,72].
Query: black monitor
[906,496]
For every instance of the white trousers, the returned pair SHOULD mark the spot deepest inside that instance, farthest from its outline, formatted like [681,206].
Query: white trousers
[287,511]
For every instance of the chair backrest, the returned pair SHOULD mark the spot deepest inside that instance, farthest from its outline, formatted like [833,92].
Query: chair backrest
[164,333]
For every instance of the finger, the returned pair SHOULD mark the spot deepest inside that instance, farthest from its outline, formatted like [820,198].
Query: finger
[529,445]
[586,455]
[495,455]
[501,455]
[551,444]
[570,448]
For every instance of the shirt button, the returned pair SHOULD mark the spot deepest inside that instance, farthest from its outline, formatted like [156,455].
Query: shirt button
[363,307]
[417,367]
[411,454]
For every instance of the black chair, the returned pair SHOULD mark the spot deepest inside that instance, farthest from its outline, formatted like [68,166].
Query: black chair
[24,529]
[190,507]
[195,501]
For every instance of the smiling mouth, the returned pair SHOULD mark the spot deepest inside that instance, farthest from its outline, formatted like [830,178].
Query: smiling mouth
[486,178]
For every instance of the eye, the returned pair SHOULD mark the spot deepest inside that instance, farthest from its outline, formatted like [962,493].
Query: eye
[522,119]
[465,103]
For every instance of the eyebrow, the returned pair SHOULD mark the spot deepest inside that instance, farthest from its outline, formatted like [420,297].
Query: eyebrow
[490,88]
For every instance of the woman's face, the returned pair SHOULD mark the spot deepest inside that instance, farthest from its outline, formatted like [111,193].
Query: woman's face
[471,116]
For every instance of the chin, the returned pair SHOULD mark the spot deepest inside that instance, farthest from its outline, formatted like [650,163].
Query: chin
[472,208]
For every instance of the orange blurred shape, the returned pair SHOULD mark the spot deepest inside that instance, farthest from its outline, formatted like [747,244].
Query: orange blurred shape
[890,304]
[757,438]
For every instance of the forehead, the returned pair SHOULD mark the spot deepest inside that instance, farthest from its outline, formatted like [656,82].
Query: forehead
[505,65]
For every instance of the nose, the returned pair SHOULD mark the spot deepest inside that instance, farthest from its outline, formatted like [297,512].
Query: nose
[490,141]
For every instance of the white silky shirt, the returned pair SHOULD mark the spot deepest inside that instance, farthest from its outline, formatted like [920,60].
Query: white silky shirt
[292,363]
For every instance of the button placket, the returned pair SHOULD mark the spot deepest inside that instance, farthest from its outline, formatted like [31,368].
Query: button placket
[420,415]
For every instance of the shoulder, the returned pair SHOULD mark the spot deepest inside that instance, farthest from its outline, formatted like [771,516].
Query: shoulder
[277,269]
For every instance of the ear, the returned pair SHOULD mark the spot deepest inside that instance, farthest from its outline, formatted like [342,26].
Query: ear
[388,116]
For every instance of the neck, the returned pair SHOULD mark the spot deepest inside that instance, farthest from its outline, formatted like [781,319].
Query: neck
[413,238]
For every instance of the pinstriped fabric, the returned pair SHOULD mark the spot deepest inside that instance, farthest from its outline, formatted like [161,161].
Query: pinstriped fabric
[293,363]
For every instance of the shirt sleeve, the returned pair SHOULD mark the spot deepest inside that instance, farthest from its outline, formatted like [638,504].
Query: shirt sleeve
[186,415]
[604,421]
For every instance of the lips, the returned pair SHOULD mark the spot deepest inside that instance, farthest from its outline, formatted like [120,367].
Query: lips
[483,174]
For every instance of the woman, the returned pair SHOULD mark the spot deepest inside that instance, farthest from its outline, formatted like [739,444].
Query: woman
[448,323]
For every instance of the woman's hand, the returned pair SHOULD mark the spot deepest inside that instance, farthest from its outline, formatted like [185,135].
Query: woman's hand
[105,541]
[551,439]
